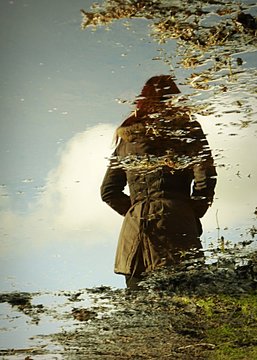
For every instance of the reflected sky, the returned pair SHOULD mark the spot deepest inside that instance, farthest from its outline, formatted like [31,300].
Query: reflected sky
[62,96]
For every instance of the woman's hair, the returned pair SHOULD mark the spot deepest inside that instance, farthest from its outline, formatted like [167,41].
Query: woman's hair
[156,90]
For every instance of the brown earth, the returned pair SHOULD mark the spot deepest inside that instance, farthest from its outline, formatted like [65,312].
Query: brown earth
[192,312]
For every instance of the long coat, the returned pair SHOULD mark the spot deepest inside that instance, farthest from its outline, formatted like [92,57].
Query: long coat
[168,168]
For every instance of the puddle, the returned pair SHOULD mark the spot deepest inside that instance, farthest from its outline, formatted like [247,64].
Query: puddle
[85,322]
[26,326]
[67,92]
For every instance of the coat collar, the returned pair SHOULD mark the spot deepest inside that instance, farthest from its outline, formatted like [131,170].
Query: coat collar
[146,125]
[131,132]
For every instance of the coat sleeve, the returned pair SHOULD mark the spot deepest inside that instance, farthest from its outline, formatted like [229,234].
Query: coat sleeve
[204,177]
[112,189]
[203,189]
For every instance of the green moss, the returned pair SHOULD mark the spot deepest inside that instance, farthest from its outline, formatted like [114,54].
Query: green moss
[231,325]
[207,304]
[230,353]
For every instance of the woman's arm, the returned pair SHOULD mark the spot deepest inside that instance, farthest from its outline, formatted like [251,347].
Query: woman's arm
[112,189]
[204,175]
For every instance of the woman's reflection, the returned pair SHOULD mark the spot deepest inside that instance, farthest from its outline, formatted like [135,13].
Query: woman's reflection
[163,156]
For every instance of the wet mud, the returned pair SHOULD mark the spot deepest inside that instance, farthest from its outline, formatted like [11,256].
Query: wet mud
[176,314]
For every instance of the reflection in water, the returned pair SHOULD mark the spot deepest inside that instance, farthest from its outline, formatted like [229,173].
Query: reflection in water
[210,36]
[160,150]
[55,231]
[27,319]
[212,42]
[50,205]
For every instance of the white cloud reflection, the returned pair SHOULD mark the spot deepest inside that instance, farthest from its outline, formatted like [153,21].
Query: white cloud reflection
[70,206]
[68,222]
[236,191]
[72,195]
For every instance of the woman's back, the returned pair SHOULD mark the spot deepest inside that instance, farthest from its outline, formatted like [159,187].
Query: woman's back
[164,158]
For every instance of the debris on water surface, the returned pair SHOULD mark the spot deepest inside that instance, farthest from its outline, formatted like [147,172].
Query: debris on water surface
[83,314]
[204,31]
[19,299]
[175,309]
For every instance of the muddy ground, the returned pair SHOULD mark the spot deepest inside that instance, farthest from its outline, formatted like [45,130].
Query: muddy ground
[191,312]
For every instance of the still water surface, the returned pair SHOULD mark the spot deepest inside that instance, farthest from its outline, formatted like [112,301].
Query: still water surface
[63,93]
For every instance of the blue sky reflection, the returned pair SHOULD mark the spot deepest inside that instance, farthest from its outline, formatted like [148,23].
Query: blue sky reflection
[59,109]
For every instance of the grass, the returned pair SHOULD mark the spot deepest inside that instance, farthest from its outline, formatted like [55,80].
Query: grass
[231,325]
